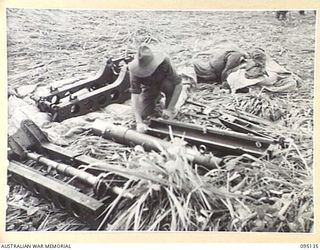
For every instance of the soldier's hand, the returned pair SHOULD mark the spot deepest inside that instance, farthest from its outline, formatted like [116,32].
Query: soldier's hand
[168,114]
[141,127]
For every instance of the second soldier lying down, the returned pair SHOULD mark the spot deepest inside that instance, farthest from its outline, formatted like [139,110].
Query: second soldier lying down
[151,73]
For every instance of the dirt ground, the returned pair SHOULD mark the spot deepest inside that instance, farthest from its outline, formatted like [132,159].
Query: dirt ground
[44,46]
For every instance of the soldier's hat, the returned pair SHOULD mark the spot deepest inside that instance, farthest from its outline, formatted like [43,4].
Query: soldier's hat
[146,61]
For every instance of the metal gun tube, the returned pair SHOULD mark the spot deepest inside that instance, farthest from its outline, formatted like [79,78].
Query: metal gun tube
[130,137]
[66,169]
[99,186]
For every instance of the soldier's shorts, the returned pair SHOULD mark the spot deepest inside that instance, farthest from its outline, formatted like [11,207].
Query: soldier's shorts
[150,96]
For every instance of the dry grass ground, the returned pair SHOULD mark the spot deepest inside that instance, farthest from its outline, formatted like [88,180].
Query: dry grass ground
[49,45]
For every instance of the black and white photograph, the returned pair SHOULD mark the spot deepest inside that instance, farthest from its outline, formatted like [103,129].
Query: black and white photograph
[160,120]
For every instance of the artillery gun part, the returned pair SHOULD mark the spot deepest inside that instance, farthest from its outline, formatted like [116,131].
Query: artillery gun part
[82,97]
[130,137]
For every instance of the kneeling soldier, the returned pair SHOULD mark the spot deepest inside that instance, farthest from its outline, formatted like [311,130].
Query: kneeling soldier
[150,74]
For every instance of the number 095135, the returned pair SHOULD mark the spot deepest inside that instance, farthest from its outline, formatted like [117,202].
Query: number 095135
[309,246]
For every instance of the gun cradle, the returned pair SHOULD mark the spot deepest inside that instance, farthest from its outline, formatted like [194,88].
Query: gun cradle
[85,96]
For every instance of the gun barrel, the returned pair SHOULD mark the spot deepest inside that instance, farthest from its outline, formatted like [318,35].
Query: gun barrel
[131,137]
[65,169]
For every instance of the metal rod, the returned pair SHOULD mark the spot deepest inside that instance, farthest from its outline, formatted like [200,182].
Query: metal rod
[130,137]
[156,123]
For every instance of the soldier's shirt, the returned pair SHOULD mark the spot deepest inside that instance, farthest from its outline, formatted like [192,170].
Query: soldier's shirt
[165,73]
